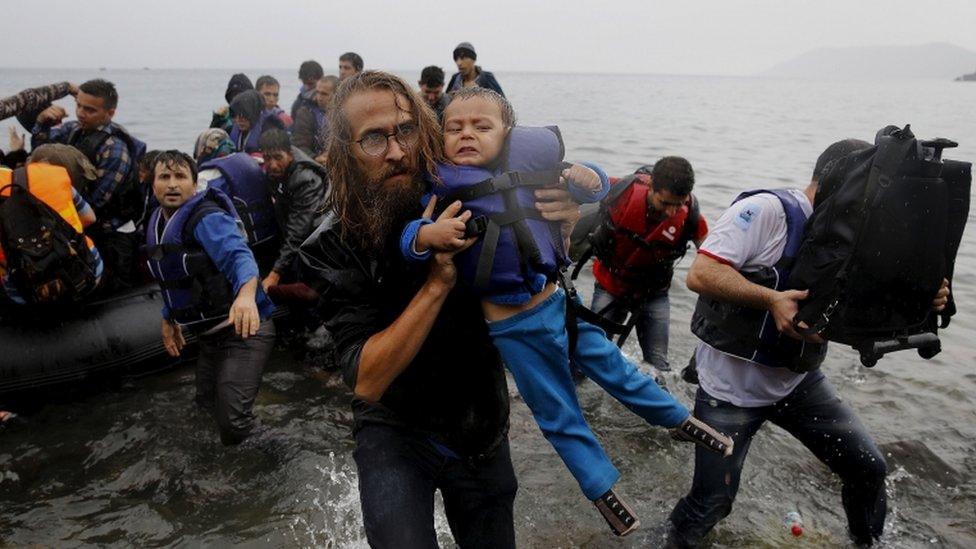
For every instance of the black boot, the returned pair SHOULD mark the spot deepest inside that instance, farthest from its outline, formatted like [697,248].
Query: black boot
[694,430]
[618,514]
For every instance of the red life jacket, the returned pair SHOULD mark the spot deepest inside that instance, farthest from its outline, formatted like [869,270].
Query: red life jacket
[633,257]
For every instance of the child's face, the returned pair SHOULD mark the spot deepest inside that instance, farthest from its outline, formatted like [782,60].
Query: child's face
[173,185]
[474,133]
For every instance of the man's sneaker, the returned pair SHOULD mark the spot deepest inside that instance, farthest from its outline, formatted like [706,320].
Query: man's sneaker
[693,430]
[618,514]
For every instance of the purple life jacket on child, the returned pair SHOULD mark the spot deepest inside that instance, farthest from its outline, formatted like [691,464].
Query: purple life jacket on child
[516,243]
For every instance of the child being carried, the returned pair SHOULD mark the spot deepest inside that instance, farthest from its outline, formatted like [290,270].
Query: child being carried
[495,168]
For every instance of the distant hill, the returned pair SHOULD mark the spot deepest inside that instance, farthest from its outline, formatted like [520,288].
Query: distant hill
[937,60]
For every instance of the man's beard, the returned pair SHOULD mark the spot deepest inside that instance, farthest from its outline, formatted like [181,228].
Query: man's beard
[389,207]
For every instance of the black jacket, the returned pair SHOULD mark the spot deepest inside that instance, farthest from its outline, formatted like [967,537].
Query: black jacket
[454,391]
[298,203]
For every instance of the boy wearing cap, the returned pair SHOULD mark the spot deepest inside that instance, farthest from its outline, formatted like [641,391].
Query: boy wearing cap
[469,74]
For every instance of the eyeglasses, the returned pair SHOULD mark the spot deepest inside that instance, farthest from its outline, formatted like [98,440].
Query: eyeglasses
[377,143]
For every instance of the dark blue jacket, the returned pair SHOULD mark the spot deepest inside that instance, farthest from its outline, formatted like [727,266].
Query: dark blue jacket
[485,79]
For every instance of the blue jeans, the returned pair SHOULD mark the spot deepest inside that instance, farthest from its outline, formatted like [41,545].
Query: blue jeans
[652,324]
[816,416]
[399,471]
[535,348]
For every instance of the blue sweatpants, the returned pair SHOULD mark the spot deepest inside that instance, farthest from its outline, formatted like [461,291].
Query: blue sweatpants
[534,346]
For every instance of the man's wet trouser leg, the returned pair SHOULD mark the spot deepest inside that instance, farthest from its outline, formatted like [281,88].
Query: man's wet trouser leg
[229,372]
[828,427]
[716,478]
[399,470]
[816,416]
[653,326]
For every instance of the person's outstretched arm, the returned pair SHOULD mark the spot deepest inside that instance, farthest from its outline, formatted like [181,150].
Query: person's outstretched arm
[33,99]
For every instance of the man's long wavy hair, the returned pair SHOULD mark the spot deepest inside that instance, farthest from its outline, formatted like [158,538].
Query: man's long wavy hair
[348,205]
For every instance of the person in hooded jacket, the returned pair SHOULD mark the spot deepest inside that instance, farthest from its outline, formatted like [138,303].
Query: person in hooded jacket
[250,120]
[221,117]
[298,186]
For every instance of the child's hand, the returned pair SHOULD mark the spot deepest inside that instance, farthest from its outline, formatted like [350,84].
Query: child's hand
[447,233]
[582,177]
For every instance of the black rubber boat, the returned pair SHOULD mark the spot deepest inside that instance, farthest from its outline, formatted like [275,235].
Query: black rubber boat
[116,335]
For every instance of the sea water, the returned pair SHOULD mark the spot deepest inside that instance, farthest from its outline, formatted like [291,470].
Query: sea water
[135,464]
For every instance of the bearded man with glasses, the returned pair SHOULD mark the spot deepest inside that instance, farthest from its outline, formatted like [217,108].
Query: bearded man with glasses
[430,398]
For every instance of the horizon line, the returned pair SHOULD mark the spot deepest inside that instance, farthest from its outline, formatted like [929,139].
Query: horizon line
[238,69]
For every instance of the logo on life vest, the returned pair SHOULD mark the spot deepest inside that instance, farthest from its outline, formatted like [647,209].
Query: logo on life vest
[669,234]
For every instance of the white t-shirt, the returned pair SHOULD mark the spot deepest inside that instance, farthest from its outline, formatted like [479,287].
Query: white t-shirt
[749,235]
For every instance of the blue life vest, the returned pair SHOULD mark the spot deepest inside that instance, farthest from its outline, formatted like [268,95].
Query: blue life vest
[193,288]
[516,242]
[243,180]
[750,333]
[250,144]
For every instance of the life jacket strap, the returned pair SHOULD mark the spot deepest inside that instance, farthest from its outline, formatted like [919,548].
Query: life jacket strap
[489,227]
[486,259]
[504,182]
[575,310]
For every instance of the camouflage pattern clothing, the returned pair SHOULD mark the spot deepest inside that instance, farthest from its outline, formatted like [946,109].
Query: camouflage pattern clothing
[32,99]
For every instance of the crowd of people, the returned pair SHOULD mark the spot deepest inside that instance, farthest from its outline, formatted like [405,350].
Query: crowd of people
[421,225]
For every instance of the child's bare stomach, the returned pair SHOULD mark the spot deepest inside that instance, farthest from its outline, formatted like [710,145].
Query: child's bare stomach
[494,311]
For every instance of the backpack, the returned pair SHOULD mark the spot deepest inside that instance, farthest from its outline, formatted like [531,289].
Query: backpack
[48,260]
[885,229]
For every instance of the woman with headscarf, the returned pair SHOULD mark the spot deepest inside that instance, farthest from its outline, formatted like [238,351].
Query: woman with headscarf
[212,143]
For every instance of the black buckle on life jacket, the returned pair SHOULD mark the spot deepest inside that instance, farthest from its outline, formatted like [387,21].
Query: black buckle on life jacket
[154,253]
[476,226]
[505,182]
[157,252]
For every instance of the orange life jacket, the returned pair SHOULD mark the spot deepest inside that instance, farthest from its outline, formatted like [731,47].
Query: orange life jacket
[52,185]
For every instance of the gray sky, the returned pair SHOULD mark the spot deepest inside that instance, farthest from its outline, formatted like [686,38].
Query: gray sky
[689,37]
